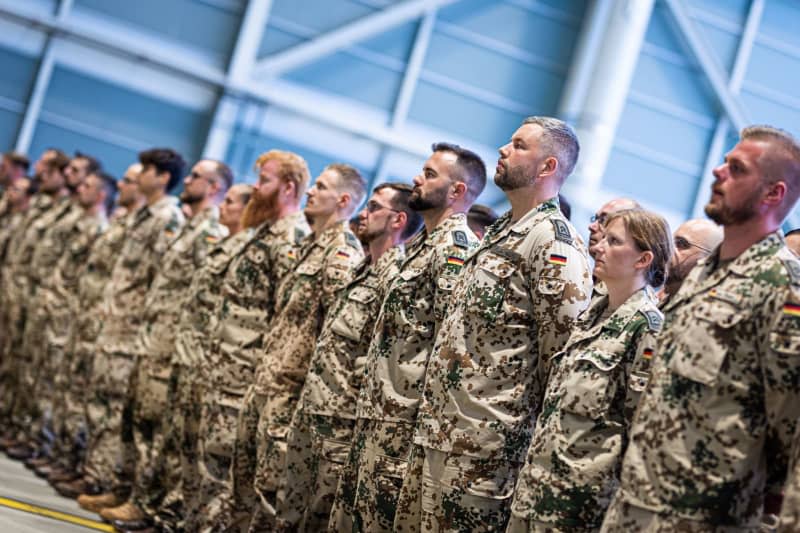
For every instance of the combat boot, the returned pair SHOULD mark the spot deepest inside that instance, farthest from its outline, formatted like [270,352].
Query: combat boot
[77,487]
[20,452]
[127,512]
[97,503]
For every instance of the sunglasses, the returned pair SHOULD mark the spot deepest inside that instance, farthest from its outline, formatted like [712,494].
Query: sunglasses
[681,243]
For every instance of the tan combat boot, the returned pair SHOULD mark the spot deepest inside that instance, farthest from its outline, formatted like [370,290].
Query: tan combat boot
[127,512]
[99,502]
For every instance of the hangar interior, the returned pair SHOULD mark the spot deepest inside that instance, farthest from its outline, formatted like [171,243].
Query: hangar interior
[656,89]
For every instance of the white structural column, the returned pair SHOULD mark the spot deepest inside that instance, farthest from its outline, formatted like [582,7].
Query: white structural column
[734,86]
[43,75]
[251,31]
[409,85]
[331,42]
[603,99]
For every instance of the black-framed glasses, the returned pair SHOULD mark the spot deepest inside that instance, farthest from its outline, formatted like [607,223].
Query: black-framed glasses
[373,206]
[682,243]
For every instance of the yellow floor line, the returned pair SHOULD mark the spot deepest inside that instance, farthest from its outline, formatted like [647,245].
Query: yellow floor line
[58,515]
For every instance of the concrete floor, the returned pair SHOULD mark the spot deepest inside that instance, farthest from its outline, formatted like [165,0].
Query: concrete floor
[19,483]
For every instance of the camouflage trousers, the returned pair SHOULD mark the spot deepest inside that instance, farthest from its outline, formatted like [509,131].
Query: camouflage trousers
[366,498]
[111,455]
[317,448]
[443,491]
[69,410]
[623,517]
[215,506]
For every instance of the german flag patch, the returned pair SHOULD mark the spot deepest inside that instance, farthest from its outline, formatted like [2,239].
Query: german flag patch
[212,239]
[791,309]
[557,259]
[455,260]
[291,254]
[341,254]
[647,353]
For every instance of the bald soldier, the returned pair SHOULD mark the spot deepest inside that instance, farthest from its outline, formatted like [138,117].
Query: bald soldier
[711,438]
[512,310]
[598,219]
[416,303]
[694,240]
[793,241]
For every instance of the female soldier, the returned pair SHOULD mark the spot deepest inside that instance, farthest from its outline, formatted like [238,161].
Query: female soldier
[573,463]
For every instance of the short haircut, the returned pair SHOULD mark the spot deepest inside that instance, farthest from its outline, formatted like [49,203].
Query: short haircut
[18,159]
[59,161]
[564,205]
[470,168]
[650,233]
[350,180]
[481,215]
[558,139]
[93,164]
[780,162]
[110,188]
[291,168]
[399,202]
[224,174]
[164,160]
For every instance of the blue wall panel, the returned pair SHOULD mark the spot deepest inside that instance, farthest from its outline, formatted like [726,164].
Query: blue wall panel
[16,83]
[9,125]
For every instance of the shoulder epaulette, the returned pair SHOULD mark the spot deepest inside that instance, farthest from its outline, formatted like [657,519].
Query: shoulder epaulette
[562,230]
[298,235]
[654,319]
[460,239]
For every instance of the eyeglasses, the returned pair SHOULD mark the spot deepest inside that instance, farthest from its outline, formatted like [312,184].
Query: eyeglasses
[373,206]
[600,218]
[681,243]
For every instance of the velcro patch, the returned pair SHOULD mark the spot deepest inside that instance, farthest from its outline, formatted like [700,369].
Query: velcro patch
[562,230]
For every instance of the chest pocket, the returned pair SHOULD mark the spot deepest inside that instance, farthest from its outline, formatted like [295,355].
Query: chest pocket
[709,332]
[414,307]
[486,295]
[355,313]
[591,384]
[134,250]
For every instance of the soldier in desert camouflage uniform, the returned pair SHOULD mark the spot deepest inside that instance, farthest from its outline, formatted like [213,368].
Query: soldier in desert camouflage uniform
[110,458]
[246,305]
[325,263]
[572,466]
[513,310]
[320,432]
[204,187]
[415,305]
[712,435]
[71,429]
[790,508]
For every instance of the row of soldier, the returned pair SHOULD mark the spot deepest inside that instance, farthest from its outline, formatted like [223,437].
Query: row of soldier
[266,368]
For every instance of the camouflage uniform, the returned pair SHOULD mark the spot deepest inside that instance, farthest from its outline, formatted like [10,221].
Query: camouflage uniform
[246,306]
[790,509]
[17,293]
[175,479]
[185,254]
[714,428]
[416,303]
[325,264]
[11,226]
[572,468]
[70,406]
[513,310]
[107,461]
[321,430]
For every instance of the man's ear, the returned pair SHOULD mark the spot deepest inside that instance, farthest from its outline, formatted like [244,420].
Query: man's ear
[775,193]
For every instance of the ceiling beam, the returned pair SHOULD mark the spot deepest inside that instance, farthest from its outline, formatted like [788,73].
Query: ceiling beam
[333,41]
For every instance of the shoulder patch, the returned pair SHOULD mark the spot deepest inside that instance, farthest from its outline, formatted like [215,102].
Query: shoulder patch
[562,230]
[299,234]
[460,239]
[352,240]
[793,268]
[654,319]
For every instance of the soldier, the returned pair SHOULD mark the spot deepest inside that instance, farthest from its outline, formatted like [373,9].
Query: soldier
[480,217]
[109,462]
[598,219]
[246,305]
[513,309]
[325,263]
[415,305]
[15,290]
[71,424]
[13,166]
[793,241]
[184,254]
[53,204]
[321,429]
[714,427]
[790,508]
[573,461]
[694,240]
